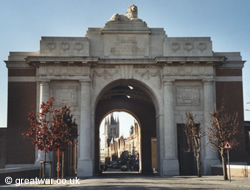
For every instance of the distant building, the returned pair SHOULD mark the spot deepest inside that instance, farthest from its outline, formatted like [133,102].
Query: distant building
[133,141]
[116,147]
[111,131]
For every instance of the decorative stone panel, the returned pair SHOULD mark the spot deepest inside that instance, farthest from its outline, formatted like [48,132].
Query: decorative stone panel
[65,96]
[106,75]
[154,76]
[187,95]
[67,93]
[126,46]
[64,46]
[63,71]
[188,70]
[188,47]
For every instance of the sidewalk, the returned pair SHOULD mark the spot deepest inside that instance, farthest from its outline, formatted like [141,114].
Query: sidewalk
[134,182]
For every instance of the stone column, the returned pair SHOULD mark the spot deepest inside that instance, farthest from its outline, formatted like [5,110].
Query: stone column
[170,162]
[209,105]
[44,97]
[85,164]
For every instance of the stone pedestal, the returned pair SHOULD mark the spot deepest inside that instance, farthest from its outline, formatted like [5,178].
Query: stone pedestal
[170,167]
[84,168]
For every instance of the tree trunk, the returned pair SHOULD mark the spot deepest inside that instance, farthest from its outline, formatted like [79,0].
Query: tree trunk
[44,166]
[62,164]
[198,162]
[224,166]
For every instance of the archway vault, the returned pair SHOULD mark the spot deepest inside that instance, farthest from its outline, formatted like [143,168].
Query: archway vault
[134,98]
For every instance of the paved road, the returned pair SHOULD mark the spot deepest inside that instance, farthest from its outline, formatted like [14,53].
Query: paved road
[133,181]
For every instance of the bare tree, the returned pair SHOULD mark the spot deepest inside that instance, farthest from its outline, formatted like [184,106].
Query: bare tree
[224,127]
[194,135]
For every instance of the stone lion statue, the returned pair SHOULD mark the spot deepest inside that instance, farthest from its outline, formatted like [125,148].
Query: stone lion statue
[131,14]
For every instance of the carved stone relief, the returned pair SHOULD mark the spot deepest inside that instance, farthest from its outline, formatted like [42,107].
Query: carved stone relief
[147,74]
[63,71]
[188,46]
[67,95]
[202,46]
[175,46]
[65,46]
[78,46]
[106,75]
[51,46]
[187,70]
[126,45]
[187,95]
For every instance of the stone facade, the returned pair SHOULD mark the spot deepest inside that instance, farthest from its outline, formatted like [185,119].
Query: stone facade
[171,76]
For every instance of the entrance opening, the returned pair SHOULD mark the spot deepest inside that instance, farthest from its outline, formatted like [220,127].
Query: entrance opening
[120,146]
[187,161]
[134,98]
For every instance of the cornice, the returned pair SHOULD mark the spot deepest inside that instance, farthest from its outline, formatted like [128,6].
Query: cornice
[49,60]
[191,60]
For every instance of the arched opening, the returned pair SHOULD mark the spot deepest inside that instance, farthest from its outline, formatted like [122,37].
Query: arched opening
[120,143]
[135,98]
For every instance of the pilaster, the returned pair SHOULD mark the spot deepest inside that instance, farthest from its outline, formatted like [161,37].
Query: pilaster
[43,97]
[85,163]
[170,161]
[211,156]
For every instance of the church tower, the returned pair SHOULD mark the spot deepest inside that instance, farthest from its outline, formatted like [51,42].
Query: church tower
[111,130]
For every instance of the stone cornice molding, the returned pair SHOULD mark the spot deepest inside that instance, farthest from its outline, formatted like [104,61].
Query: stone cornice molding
[44,82]
[126,32]
[17,65]
[233,64]
[228,78]
[85,81]
[168,81]
[49,60]
[208,80]
[211,60]
[84,61]
[127,61]
[62,78]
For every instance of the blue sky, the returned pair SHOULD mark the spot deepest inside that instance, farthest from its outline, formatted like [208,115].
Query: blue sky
[23,23]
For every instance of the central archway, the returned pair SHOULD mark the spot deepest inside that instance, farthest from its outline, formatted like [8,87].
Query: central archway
[135,98]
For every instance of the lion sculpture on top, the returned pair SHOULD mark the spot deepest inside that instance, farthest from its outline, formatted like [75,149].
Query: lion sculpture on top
[130,15]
